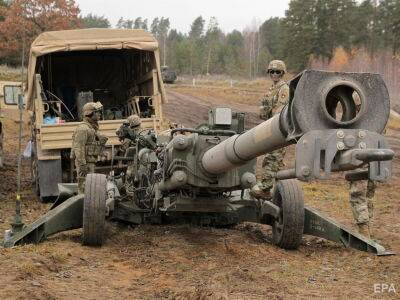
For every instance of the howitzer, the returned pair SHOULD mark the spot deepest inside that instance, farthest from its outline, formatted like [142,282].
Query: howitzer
[203,175]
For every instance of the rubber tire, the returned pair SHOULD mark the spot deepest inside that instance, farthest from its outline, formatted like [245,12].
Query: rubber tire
[94,210]
[287,232]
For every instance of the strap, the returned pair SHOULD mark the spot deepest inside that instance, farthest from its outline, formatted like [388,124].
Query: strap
[277,90]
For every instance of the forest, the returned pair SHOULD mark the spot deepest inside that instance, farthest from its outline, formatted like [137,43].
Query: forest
[312,33]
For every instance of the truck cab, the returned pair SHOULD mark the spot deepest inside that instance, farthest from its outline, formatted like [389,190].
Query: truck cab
[118,67]
[9,93]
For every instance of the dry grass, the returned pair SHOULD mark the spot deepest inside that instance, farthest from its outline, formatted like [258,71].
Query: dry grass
[394,123]
[29,270]
[8,73]
[234,94]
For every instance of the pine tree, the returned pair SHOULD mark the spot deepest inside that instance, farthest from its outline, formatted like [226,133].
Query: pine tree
[234,53]
[162,30]
[137,24]
[212,36]
[389,15]
[154,27]
[271,34]
[299,33]
[363,25]
[93,21]
[196,45]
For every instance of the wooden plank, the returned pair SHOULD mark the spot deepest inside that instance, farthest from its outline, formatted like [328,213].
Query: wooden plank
[59,136]
[47,154]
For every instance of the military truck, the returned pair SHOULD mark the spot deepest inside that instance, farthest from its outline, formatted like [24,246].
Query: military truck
[9,92]
[168,75]
[118,67]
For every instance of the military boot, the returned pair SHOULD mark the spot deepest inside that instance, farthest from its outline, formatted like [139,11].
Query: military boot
[371,230]
[364,230]
[81,185]
[259,193]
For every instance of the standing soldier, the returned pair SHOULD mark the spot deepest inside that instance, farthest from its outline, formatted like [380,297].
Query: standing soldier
[362,195]
[87,143]
[272,103]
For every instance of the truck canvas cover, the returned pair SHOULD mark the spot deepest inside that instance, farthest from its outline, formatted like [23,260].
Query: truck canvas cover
[90,40]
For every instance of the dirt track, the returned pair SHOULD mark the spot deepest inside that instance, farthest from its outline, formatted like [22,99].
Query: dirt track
[189,109]
[184,262]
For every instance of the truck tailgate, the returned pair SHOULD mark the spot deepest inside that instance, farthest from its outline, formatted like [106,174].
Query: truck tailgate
[59,136]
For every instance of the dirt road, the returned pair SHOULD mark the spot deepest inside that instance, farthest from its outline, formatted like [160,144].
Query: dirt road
[190,107]
[184,262]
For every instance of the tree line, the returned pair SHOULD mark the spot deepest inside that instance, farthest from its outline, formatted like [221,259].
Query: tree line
[310,30]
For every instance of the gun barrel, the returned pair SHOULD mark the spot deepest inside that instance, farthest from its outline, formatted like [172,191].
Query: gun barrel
[239,149]
[319,101]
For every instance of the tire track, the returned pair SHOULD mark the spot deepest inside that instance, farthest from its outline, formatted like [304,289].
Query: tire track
[192,110]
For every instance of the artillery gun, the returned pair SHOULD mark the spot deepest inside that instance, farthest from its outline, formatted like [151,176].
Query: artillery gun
[203,175]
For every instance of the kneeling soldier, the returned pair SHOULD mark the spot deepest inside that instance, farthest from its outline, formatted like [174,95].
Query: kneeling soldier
[128,132]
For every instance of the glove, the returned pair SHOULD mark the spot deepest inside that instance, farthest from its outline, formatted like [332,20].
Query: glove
[102,139]
[263,114]
[104,156]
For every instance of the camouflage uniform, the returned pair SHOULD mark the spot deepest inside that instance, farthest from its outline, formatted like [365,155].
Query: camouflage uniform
[362,200]
[362,204]
[273,102]
[128,132]
[128,135]
[87,144]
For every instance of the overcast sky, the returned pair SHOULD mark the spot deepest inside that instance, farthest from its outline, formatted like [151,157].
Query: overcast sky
[231,14]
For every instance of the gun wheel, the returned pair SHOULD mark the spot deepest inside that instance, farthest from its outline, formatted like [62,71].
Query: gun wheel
[94,209]
[287,230]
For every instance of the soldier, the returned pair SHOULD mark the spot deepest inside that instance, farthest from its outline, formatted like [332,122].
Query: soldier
[272,103]
[362,204]
[128,132]
[87,143]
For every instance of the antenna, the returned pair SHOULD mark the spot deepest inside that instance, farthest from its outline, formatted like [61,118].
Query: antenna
[17,224]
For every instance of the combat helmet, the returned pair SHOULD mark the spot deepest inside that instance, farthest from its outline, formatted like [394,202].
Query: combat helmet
[91,107]
[134,120]
[277,65]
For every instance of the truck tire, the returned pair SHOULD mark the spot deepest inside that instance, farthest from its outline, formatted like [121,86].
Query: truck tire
[94,209]
[287,230]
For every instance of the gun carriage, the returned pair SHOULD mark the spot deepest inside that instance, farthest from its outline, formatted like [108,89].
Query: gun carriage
[203,175]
